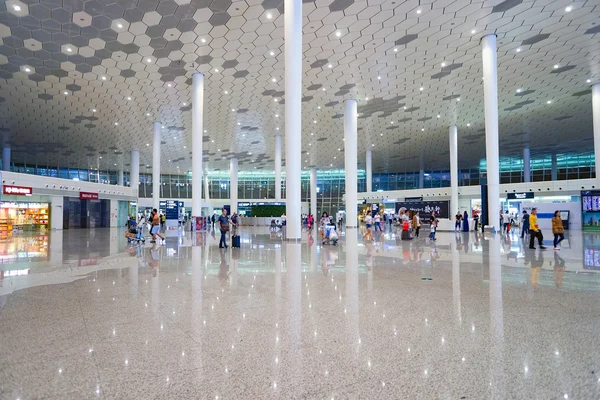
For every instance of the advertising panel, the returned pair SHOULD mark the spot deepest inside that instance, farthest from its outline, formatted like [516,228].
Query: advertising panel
[426,207]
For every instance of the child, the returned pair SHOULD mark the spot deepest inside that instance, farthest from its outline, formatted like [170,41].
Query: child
[434,224]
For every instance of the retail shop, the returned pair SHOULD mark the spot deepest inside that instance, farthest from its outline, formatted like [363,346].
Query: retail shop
[20,210]
[87,211]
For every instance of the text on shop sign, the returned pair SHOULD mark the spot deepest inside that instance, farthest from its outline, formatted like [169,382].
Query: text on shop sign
[17,190]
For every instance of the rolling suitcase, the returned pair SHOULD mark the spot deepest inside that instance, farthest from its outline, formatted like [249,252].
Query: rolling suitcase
[235,241]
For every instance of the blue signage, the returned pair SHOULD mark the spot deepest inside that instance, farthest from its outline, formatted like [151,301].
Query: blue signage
[172,209]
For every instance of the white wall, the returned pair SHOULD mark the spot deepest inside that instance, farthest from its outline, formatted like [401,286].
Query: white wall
[114,213]
[56,212]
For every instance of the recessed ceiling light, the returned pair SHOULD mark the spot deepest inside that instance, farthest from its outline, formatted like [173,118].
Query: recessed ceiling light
[69,49]
[119,25]
[17,8]
[568,8]
[519,90]
[473,31]
[404,107]
[65,93]
[129,98]
[273,79]
[443,63]
[421,88]
[556,66]
[93,110]
[162,127]
[549,102]
[185,147]
[272,53]
[438,115]
[148,60]
[419,11]
[395,49]
[269,16]
[169,85]
[373,145]
[277,128]
[315,121]
[338,33]
[239,123]
[323,89]
[116,123]
[203,40]
[27,69]
[216,69]
[276,115]
[330,66]
[147,114]
[391,122]
[458,99]
[422,129]
[378,78]
[518,49]
[589,81]
[468,124]
[366,99]
[226,92]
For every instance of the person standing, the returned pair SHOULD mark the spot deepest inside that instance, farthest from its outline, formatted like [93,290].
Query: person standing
[416,221]
[433,226]
[155,220]
[465,220]
[506,221]
[368,227]
[534,230]
[223,222]
[283,219]
[525,224]
[557,229]
[377,220]
[457,218]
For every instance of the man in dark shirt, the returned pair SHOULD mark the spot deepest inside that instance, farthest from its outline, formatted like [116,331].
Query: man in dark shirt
[525,228]
[224,228]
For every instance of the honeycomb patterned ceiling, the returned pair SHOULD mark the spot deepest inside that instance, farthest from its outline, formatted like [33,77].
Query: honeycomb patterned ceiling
[81,82]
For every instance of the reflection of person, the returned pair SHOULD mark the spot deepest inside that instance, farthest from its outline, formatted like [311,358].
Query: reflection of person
[557,229]
[223,269]
[559,270]
[535,231]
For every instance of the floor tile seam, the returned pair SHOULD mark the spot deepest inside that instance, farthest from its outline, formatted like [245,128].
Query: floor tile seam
[89,339]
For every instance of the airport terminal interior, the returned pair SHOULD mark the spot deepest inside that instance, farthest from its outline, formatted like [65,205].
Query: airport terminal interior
[299,199]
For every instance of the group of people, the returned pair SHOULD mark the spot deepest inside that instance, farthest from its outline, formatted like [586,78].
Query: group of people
[462,219]
[224,223]
[530,226]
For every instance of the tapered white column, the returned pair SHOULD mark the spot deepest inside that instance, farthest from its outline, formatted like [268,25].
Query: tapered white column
[492,151]
[156,166]
[233,184]
[207,189]
[120,177]
[369,170]
[293,116]
[6,158]
[526,165]
[554,168]
[453,170]
[350,150]
[596,123]
[278,167]
[197,132]
[134,177]
[313,192]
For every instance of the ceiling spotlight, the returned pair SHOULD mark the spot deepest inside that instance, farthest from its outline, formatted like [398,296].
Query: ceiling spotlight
[273,79]
[69,49]
[185,104]
[473,31]
[103,78]
[277,128]
[458,99]
[468,124]
[443,63]
[116,123]
[169,85]
[276,115]
[518,49]
[391,122]
[149,60]
[422,129]
[318,107]
[119,26]
[568,8]
[315,121]
[272,53]
[419,11]
[17,8]
[366,99]
[129,98]
[27,69]
[239,123]
[373,145]
[93,110]
[226,92]
[438,115]
[269,16]
[147,114]
[556,66]
[203,40]
[65,93]
[233,109]
[404,107]
[421,88]
[323,89]
[395,49]
[519,90]
[378,78]
[589,81]
[216,69]
[338,34]
[549,102]
[330,66]
[275,100]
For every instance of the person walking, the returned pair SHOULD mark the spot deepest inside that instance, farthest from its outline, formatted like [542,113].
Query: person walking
[433,226]
[557,229]
[377,220]
[506,221]
[155,221]
[534,230]
[525,224]
[223,222]
[416,222]
[368,227]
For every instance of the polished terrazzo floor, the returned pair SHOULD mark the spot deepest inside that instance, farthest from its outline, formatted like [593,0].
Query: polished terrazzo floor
[84,315]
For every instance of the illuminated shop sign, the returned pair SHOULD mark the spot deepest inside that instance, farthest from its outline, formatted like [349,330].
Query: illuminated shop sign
[17,190]
[13,204]
[520,196]
[88,196]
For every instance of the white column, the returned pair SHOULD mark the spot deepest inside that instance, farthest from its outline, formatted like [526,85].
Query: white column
[596,124]
[350,150]
[120,177]
[134,176]
[490,96]
[526,165]
[6,158]
[278,167]
[207,189]
[293,116]
[156,166]
[421,172]
[453,170]
[197,132]
[554,168]
[313,192]
[369,170]
[233,184]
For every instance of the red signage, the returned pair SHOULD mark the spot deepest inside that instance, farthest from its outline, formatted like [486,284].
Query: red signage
[17,190]
[88,196]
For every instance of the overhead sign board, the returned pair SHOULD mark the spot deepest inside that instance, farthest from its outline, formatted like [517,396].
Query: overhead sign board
[520,196]
[17,190]
[88,196]
[172,210]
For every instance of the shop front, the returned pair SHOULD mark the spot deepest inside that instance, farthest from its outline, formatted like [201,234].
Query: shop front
[23,216]
[87,211]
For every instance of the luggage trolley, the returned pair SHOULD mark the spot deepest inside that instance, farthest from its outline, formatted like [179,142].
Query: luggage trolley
[330,235]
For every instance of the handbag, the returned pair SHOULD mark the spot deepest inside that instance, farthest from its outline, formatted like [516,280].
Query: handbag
[225,228]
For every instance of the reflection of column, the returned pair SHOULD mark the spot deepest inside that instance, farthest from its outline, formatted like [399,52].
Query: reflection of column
[352,313]
[313,192]
[350,147]
[293,265]
[293,116]
[233,185]
[133,279]
[369,170]
[197,133]
[496,320]
[156,167]
[526,165]
[55,247]
[490,96]
[196,317]
[456,285]
[596,126]
[278,167]
[453,169]
[554,167]
[314,261]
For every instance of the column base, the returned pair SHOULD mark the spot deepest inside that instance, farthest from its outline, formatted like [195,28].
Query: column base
[351,227]
[293,240]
